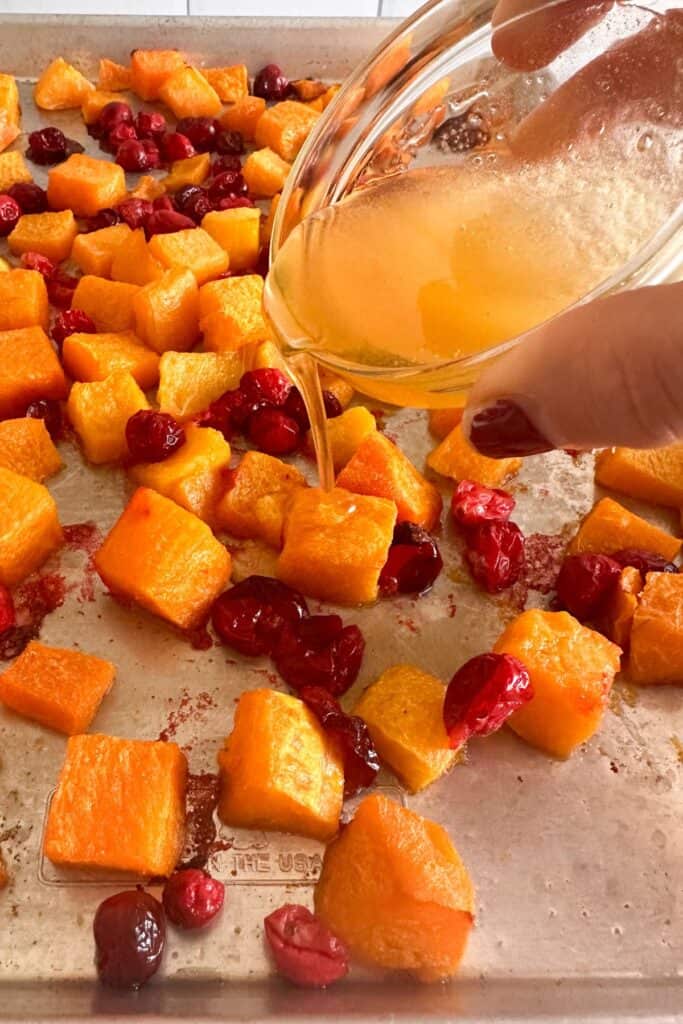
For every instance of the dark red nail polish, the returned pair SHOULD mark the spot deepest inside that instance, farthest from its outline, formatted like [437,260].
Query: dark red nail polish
[503,431]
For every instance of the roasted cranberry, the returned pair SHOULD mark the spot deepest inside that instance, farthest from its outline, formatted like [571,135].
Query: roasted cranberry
[263,265]
[273,432]
[413,563]
[49,411]
[14,640]
[233,202]
[119,134]
[644,561]
[229,144]
[36,261]
[265,386]
[73,147]
[201,131]
[482,694]
[163,203]
[361,761]
[72,321]
[134,212]
[130,934]
[164,222]
[150,124]
[495,555]
[192,898]
[584,582]
[138,155]
[47,146]
[251,615]
[103,219]
[153,436]
[320,651]
[7,616]
[60,288]
[270,83]
[333,406]
[461,133]
[114,114]
[473,504]
[295,407]
[10,213]
[194,203]
[225,163]
[176,147]
[31,197]
[305,951]
[184,194]
[230,183]
[228,413]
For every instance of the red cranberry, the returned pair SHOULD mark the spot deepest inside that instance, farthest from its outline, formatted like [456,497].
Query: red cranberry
[103,219]
[47,146]
[644,561]
[51,412]
[584,582]
[163,203]
[413,563]
[265,386]
[495,555]
[263,266]
[36,261]
[153,436]
[194,202]
[201,131]
[192,898]
[112,115]
[15,639]
[228,413]
[60,288]
[296,408]
[270,83]
[482,694]
[165,222]
[73,147]
[72,321]
[250,616]
[10,213]
[30,197]
[184,194]
[333,406]
[130,934]
[119,134]
[134,212]
[305,951]
[231,183]
[273,432]
[150,124]
[176,147]
[233,202]
[473,504]
[225,163]
[229,144]
[320,651]
[350,733]
[138,155]
[7,616]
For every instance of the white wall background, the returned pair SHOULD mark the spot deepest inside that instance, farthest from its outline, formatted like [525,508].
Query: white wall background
[320,8]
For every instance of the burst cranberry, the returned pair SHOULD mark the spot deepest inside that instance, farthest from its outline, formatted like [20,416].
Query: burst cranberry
[192,898]
[229,144]
[72,321]
[273,432]
[482,694]
[176,147]
[164,222]
[584,583]
[226,162]
[119,134]
[47,146]
[112,115]
[60,288]
[36,261]
[130,934]
[265,386]
[228,413]
[644,561]
[163,203]
[31,197]
[49,411]
[201,131]
[103,219]
[473,504]
[184,194]
[233,202]
[73,147]
[230,183]
[7,616]
[333,406]
[263,263]
[413,563]
[270,83]
[320,651]
[10,213]
[134,212]
[150,124]
[153,436]
[138,155]
[194,202]
[251,615]
[295,407]
[495,555]
[361,761]
[305,951]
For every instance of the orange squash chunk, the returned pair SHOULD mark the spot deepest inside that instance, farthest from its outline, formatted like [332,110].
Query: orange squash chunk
[657,631]
[572,669]
[147,188]
[119,804]
[57,688]
[455,457]
[108,303]
[231,313]
[30,368]
[149,69]
[191,171]
[265,172]
[27,448]
[61,87]
[380,468]
[654,474]
[279,770]
[10,112]
[192,249]
[13,169]
[243,115]
[236,231]
[188,94]
[50,234]
[113,76]
[23,300]
[190,381]
[284,127]
[231,83]
[93,251]
[609,527]
[394,889]
[336,544]
[89,357]
[167,312]
[95,102]
[85,185]
[266,354]
[165,558]
[616,619]
[347,433]
[133,262]
[99,412]
[29,526]
[442,421]
[258,496]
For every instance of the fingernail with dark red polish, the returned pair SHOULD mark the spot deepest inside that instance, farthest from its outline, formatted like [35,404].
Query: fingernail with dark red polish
[504,431]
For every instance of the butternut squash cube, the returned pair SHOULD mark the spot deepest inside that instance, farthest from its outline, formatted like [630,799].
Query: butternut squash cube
[95,102]
[192,249]
[284,127]
[279,770]
[61,87]
[258,496]
[165,558]
[30,368]
[265,172]
[93,251]
[147,188]
[23,300]
[394,889]
[110,304]
[347,433]
[113,76]
[167,312]
[99,412]
[442,421]
[609,527]
[404,712]
[89,357]
[188,94]
[336,544]
[236,231]
[571,668]
[654,474]
[231,313]
[190,381]
[149,69]
[266,354]
[191,171]
[231,83]
[657,634]
[243,115]
[27,448]
[133,262]
[10,112]
[13,169]
[616,619]
[50,234]
[85,185]
[29,526]
[119,804]
[455,457]
[57,688]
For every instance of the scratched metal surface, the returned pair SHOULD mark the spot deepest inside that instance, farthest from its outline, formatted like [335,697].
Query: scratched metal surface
[577,864]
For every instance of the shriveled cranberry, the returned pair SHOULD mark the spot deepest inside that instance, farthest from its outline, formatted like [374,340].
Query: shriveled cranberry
[352,736]
[251,615]
[233,202]
[194,203]
[228,413]
[60,288]
[50,411]
[71,321]
[230,183]
[229,144]
[163,203]
[138,155]
[36,261]
[644,561]
[103,219]
[265,386]
[333,406]
[495,555]
[164,222]
[296,408]
[31,197]
[114,114]
[273,432]
[305,951]
[150,124]
[10,212]
[7,615]
[584,582]
[192,898]
[226,162]
[413,563]
[119,134]
[134,212]
[473,504]
[153,436]
[320,651]
[482,694]
[47,146]
[73,147]
[201,131]
[130,935]
[15,639]
[175,146]
[270,83]
[184,194]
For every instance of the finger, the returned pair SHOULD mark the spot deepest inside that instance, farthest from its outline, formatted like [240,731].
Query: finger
[607,373]
[534,41]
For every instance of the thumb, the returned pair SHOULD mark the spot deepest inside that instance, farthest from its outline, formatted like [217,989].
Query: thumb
[607,373]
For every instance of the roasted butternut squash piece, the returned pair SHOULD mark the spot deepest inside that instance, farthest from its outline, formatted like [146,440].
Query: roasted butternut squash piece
[10,113]
[27,448]
[189,94]
[191,171]
[110,304]
[243,115]
[167,312]
[442,421]
[29,526]
[258,495]
[30,368]
[149,69]
[455,457]
[265,172]
[99,412]
[609,527]
[616,619]
[347,433]
[133,262]
[654,474]
[89,357]
[50,234]
[93,251]
[61,87]
[284,127]
[13,168]
[236,231]
[190,381]
[113,76]
[192,249]
[231,313]
[85,185]
[23,300]
[95,102]
[231,83]
[656,634]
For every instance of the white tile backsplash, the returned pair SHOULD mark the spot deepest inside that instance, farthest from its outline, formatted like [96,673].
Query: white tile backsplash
[111,7]
[399,8]
[287,8]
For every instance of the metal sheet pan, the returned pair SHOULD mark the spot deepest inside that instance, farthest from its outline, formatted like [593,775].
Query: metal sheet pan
[578,864]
